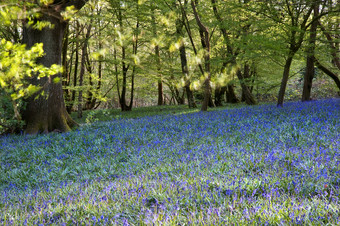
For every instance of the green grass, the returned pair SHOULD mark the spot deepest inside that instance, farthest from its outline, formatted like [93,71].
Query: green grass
[258,165]
[110,114]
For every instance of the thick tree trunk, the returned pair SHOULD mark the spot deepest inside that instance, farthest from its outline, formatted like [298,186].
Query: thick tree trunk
[309,74]
[284,80]
[46,113]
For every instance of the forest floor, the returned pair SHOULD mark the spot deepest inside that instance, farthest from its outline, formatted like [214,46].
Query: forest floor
[165,165]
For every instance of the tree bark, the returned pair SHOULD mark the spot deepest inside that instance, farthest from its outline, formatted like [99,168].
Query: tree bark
[46,111]
[249,98]
[284,79]
[66,73]
[159,82]
[231,55]
[82,71]
[125,67]
[184,64]
[247,95]
[332,45]
[207,101]
[135,49]
[158,60]
[185,71]
[75,74]
[328,72]
[295,41]
[309,74]
[90,89]
[230,94]
[219,95]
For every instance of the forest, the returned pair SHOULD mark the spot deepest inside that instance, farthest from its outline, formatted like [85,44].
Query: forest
[169,112]
[134,53]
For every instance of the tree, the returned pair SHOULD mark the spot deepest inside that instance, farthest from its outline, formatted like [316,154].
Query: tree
[84,54]
[298,13]
[309,74]
[46,111]
[204,33]
[332,43]
[234,46]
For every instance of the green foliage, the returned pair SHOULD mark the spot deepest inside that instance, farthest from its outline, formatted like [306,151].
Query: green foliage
[18,66]
[10,120]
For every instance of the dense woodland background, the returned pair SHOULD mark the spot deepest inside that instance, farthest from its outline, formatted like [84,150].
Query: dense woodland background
[133,53]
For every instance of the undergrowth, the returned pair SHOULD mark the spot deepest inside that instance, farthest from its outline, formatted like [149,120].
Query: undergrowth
[250,165]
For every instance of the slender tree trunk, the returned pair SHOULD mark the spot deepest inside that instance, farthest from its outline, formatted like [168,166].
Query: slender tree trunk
[229,89]
[246,76]
[177,94]
[46,113]
[249,98]
[285,79]
[90,96]
[185,71]
[206,44]
[100,75]
[125,69]
[70,65]
[116,71]
[230,94]
[184,64]
[158,61]
[219,95]
[82,72]
[134,50]
[159,82]
[328,72]
[333,46]
[75,74]
[309,74]
[66,73]
[295,41]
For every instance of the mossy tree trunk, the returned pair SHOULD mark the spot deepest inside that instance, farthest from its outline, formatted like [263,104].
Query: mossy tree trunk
[45,111]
